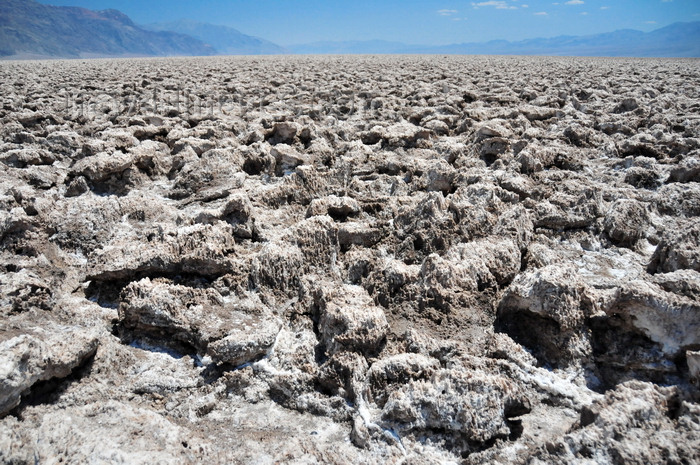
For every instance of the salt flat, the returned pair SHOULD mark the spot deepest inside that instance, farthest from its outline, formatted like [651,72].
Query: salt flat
[395,259]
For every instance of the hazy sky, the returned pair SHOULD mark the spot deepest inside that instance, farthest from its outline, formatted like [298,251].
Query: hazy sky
[289,22]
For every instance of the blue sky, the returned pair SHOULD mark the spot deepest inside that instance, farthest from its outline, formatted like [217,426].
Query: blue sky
[430,22]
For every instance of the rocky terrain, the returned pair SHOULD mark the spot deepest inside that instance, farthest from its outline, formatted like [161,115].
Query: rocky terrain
[401,260]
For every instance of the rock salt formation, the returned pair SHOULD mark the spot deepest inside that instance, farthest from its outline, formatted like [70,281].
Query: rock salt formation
[333,260]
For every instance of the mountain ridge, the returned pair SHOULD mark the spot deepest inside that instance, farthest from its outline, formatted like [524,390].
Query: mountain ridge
[29,28]
[225,40]
[680,39]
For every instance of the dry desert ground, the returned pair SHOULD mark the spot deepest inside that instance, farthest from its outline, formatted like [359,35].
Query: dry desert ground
[401,260]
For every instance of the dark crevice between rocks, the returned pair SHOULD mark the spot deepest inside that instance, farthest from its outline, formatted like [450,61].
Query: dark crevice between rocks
[588,416]
[516,429]
[320,352]
[642,151]
[254,166]
[621,353]
[567,162]
[159,136]
[674,406]
[512,410]
[106,292]
[524,261]
[11,268]
[490,158]
[454,441]
[117,185]
[154,340]
[551,228]
[340,215]
[372,207]
[50,391]
[326,389]
[534,332]
[244,228]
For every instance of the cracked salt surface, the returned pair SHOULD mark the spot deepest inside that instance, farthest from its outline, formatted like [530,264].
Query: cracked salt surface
[521,230]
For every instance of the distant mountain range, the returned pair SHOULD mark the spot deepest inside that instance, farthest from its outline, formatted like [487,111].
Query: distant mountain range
[354,47]
[32,30]
[676,40]
[226,40]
